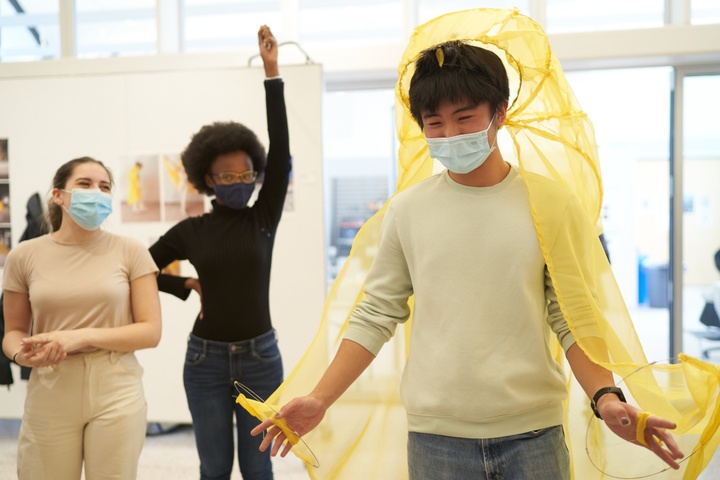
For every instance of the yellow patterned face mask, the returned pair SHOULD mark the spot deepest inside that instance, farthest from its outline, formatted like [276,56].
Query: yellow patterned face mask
[364,434]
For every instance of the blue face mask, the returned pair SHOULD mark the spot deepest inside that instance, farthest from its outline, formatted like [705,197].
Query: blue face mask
[462,153]
[89,207]
[235,195]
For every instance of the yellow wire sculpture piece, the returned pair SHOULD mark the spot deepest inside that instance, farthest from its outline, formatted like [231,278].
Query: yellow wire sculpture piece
[364,434]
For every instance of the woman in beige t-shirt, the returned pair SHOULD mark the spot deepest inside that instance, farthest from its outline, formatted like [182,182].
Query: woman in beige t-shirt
[78,302]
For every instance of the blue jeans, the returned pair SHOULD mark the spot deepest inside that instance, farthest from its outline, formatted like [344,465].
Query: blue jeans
[535,455]
[210,370]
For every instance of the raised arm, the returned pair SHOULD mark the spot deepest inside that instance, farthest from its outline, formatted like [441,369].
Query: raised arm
[277,171]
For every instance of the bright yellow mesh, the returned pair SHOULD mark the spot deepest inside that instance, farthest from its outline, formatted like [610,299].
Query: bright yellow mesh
[364,434]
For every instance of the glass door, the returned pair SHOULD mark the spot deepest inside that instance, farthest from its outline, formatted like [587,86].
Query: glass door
[631,110]
[697,212]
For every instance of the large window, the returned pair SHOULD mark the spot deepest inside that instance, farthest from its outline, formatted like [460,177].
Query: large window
[359,153]
[228,24]
[704,11]
[429,9]
[574,16]
[29,30]
[351,20]
[109,29]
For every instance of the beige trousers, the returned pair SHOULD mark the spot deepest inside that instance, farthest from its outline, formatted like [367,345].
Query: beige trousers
[90,408]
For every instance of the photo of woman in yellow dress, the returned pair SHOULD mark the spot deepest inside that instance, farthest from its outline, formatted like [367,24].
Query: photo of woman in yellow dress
[135,196]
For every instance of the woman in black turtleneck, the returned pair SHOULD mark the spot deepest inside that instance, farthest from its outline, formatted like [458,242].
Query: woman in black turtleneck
[231,249]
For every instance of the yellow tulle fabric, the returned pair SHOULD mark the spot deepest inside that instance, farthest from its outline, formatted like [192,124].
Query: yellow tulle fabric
[364,434]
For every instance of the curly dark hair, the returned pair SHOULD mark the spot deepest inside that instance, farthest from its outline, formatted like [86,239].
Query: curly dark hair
[468,73]
[216,139]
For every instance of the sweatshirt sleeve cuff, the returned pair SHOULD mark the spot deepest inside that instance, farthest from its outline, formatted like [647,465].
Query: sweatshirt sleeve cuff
[370,340]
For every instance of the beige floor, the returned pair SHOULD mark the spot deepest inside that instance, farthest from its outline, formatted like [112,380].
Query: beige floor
[179,446]
[170,456]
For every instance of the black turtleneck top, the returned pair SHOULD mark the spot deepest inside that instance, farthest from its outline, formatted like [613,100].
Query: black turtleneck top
[230,249]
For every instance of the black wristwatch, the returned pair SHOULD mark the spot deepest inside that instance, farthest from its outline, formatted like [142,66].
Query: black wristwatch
[600,393]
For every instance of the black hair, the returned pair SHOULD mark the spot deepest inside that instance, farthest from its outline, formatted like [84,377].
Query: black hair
[468,73]
[54,215]
[217,139]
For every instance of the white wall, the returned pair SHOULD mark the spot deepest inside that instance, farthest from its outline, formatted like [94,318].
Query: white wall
[52,112]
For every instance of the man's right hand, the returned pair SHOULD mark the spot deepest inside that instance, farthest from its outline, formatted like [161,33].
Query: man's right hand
[301,415]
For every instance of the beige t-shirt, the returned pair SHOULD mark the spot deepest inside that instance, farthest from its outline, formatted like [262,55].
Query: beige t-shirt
[75,286]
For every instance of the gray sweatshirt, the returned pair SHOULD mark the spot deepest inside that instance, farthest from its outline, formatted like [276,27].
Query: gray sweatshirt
[479,363]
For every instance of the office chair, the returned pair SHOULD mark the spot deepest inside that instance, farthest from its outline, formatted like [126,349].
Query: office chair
[710,316]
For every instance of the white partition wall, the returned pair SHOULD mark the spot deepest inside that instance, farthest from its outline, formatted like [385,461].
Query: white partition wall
[117,111]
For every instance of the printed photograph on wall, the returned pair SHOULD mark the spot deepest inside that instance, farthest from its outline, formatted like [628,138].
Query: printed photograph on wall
[180,198]
[5,234]
[139,188]
[4,202]
[4,244]
[172,269]
[4,170]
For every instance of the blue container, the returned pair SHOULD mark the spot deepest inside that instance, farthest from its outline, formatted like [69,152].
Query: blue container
[642,281]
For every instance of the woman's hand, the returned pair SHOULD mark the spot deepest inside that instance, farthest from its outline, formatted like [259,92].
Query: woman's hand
[46,349]
[268,51]
[622,419]
[194,284]
[40,356]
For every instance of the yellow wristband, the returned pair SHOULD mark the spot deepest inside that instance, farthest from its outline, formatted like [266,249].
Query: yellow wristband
[642,419]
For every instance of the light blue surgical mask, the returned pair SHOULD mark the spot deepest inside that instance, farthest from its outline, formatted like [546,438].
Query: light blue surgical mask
[462,153]
[89,207]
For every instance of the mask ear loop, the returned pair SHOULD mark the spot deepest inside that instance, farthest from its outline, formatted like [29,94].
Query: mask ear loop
[623,442]
[497,129]
[239,386]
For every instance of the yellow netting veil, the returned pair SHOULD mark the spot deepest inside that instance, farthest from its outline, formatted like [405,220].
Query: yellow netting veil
[364,434]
